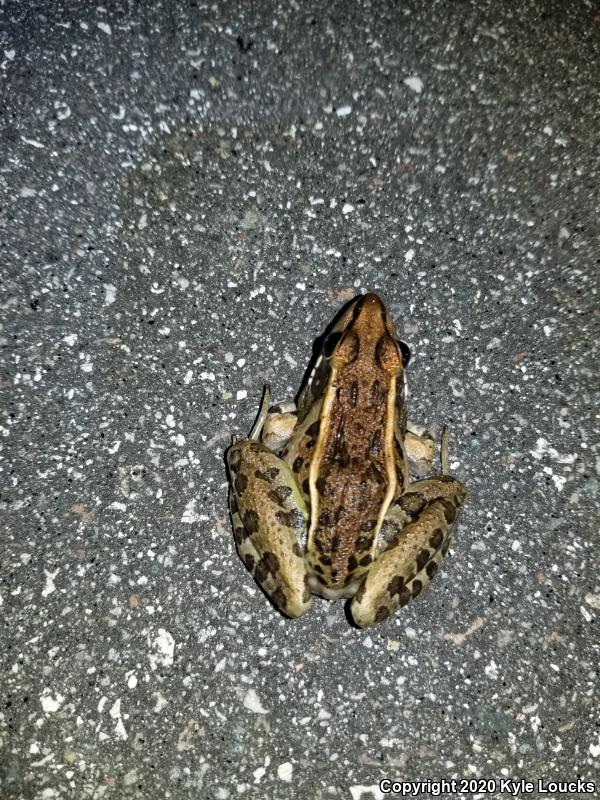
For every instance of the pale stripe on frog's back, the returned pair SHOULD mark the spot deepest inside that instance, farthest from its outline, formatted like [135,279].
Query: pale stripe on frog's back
[353,477]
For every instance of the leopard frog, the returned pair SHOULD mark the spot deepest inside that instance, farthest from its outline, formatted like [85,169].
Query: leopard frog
[321,499]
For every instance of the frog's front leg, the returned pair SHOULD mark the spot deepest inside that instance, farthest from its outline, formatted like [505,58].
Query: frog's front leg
[421,522]
[419,447]
[279,425]
[269,519]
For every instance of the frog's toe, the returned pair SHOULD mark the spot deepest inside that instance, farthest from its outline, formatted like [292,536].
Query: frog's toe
[291,597]
[291,602]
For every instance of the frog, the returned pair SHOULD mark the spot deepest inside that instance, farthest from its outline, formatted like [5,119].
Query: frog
[321,495]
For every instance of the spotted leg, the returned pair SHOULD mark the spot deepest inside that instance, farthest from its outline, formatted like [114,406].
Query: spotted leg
[415,538]
[269,520]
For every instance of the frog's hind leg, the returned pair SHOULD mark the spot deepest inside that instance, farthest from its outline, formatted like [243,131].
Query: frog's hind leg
[417,535]
[269,518]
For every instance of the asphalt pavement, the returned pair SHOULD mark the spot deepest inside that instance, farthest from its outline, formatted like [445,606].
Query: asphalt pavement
[189,192]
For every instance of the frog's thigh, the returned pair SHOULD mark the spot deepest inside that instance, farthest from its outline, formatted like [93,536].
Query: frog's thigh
[408,565]
[269,516]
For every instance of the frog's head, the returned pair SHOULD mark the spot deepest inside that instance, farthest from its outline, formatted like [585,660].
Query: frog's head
[365,332]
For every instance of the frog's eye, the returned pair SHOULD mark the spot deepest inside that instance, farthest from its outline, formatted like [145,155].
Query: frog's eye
[405,350]
[330,343]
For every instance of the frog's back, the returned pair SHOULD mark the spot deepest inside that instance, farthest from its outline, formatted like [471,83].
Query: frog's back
[353,474]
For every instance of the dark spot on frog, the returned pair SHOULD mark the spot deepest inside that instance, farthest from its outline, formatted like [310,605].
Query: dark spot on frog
[416,587]
[396,585]
[431,569]
[267,475]
[297,465]
[268,565]
[382,613]
[239,534]
[450,510]
[313,430]
[422,558]
[365,560]
[404,597]
[280,495]
[377,395]
[324,519]
[279,598]
[241,483]
[436,538]
[352,563]
[250,522]
[249,561]
[339,448]
[375,475]
[306,486]
[260,573]
[322,488]
[290,519]
[375,443]
[334,544]
[362,543]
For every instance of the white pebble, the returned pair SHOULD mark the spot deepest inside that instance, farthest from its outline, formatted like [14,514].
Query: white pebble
[284,771]
[415,83]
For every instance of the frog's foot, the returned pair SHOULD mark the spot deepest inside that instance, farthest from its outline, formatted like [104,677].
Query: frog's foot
[410,562]
[275,424]
[420,450]
[269,518]
[419,446]
[279,426]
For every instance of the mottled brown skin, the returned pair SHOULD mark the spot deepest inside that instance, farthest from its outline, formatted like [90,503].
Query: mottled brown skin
[342,466]
[355,454]
[267,527]
[431,509]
